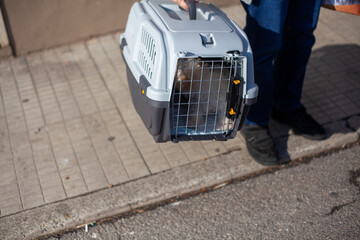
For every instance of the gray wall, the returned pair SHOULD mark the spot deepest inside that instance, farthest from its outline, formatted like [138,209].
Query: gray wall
[39,24]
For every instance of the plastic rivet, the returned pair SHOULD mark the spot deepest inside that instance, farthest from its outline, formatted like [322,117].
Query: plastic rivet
[182,54]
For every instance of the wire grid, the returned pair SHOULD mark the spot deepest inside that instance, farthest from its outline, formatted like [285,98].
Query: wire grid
[200,95]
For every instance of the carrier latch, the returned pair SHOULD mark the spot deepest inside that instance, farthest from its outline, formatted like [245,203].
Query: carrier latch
[233,97]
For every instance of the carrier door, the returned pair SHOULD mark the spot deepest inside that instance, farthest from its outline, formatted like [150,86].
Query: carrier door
[206,98]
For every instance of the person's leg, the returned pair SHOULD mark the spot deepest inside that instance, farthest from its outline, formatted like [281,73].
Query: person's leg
[264,26]
[290,64]
[290,67]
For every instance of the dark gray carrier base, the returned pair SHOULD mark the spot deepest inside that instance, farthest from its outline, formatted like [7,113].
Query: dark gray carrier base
[154,114]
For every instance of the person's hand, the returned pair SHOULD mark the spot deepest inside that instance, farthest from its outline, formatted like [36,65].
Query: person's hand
[183,4]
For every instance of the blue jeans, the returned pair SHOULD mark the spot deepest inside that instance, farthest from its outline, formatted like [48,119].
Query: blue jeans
[281,36]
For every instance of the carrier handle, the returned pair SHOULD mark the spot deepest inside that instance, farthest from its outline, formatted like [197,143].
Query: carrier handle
[192,9]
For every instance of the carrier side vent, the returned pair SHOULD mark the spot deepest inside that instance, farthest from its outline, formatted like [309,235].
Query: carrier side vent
[147,53]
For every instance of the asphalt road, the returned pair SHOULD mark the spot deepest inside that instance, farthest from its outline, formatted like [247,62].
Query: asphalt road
[315,200]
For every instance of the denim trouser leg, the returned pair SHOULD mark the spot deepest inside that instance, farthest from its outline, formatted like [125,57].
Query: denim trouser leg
[281,36]
[290,64]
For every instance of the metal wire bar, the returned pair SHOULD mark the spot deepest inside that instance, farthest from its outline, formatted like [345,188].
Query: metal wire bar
[218,96]
[207,107]
[228,89]
[179,100]
[198,106]
[191,85]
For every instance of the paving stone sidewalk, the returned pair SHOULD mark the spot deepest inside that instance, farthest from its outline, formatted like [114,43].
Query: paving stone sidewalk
[68,127]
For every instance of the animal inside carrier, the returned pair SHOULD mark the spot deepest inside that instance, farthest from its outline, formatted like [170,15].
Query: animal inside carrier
[190,74]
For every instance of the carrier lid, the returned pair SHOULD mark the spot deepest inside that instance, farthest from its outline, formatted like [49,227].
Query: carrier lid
[208,18]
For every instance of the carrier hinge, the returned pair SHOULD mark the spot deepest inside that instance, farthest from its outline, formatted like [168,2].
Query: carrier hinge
[232,55]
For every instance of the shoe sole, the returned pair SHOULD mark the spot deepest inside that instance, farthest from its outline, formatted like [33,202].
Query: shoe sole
[261,159]
[307,136]
[311,137]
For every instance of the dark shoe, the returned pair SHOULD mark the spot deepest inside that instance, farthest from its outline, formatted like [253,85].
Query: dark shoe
[260,145]
[301,123]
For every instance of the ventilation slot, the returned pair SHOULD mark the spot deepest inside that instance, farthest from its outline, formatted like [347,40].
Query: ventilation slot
[147,54]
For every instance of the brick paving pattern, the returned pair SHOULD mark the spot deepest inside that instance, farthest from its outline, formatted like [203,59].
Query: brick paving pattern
[68,126]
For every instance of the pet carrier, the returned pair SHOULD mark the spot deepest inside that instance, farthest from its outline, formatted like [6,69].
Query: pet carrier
[190,74]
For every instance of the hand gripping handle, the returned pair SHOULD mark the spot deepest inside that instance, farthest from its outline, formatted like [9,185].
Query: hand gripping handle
[192,9]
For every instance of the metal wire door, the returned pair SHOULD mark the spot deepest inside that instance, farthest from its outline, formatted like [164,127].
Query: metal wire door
[205,96]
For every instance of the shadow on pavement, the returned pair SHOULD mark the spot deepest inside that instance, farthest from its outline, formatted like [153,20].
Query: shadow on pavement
[331,91]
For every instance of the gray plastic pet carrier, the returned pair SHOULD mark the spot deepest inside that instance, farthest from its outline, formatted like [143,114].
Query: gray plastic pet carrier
[190,73]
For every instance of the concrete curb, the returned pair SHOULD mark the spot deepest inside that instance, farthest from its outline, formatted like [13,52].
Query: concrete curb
[194,177]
